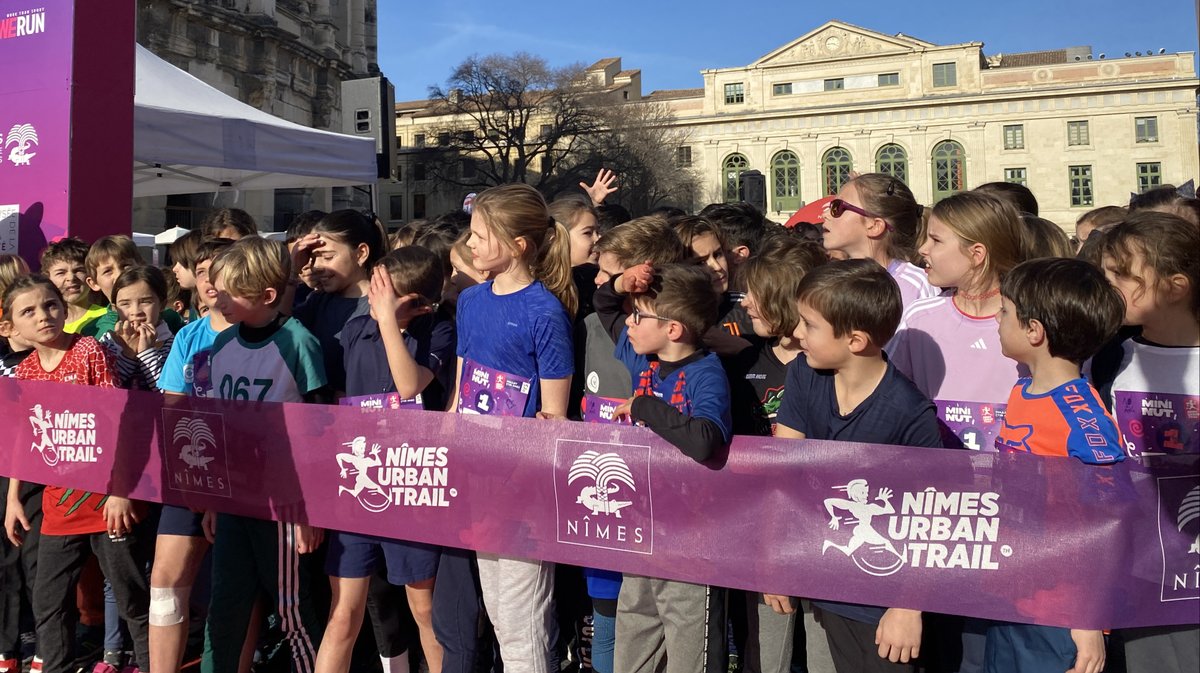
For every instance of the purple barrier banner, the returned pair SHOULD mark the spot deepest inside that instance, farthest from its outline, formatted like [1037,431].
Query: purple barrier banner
[998,535]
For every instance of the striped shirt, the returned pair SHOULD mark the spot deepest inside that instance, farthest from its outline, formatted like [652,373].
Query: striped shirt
[140,371]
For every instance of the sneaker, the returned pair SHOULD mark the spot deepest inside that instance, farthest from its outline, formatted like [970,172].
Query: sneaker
[36,665]
[9,664]
[130,668]
[104,667]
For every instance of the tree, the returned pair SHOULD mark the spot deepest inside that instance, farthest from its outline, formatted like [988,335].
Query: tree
[509,119]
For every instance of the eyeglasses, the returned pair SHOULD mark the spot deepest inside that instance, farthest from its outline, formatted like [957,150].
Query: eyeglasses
[638,315]
[837,207]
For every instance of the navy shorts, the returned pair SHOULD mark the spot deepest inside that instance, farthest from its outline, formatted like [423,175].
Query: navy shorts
[180,521]
[352,555]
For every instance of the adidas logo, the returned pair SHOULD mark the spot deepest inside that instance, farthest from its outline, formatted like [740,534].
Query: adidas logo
[979,345]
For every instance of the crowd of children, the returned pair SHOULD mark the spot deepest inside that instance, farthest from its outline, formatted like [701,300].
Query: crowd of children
[861,328]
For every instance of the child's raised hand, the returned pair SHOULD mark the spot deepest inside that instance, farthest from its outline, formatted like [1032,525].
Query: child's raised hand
[125,334]
[635,279]
[145,336]
[601,187]
[302,250]
[388,306]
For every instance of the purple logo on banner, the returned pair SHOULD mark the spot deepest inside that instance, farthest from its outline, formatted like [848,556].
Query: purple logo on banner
[1158,423]
[488,392]
[382,401]
[603,495]
[195,452]
[406,476]
[1179,533]
[599,409]
[974,425]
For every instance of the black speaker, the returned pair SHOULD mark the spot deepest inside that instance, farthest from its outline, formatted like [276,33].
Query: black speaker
[369,109]
[752,188]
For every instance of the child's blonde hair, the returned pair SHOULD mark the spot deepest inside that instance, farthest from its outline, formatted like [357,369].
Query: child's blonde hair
[519,211]
[251,266]
[12,267]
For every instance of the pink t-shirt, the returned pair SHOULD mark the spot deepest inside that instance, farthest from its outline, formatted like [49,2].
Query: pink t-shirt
[951,356]
[913,282]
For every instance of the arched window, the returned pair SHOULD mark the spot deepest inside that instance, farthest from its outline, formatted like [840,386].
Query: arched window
[949,169]
[893,160]
[836,166]
[785,176]
[732,170]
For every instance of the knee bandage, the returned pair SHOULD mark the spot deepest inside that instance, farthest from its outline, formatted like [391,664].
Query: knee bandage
[169,605]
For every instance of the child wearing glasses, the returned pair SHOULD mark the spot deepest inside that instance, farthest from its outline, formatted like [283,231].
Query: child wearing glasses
[875,216]
[680,391]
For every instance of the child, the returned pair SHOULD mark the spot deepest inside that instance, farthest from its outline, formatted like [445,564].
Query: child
[580,220]
[844,389]
[107,259]
[298,229]
[1097,218]
[681,393]
[64,262]
[342,248]
[743,227]
[1055,315]
[876,217]
[707,243]
[140,341]
[74,524]
[231,223]
[179,298]
[973,240]
[518,324]
[399,347]
[12,267]
[267,357]
[181,544]
[1151,259]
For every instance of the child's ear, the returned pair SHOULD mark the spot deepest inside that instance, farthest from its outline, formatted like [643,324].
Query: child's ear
[739,254]
[1035,333]
[91,282]
[269,296]
[858,341]
[361,253]
[676,330]
[6,328]
[1179,288]
[178,306]
[978,253]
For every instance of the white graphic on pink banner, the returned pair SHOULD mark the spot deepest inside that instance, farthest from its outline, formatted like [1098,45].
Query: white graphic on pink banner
[382,401]
[1158,423]
[970,425]
[488,392]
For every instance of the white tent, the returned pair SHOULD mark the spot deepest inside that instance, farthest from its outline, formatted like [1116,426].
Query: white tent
[189,137]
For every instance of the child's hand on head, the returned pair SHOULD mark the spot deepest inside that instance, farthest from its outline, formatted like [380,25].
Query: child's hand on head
[388,306]
[635,279]
[302,250]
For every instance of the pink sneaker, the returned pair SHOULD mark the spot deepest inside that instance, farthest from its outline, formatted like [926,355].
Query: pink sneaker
[102,667]
[10,666]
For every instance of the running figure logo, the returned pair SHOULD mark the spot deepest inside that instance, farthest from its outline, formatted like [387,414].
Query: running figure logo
[21,135]
[355,464]
[197,438]
[41,422]
[880,558]
[607,472]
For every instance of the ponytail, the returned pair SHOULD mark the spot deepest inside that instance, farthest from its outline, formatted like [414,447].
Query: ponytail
[553,267]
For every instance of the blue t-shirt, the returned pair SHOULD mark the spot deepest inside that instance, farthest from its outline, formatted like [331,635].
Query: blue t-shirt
[186,368]
[699,389]
[325,315]
[894,413]
[430,341]
[526,333]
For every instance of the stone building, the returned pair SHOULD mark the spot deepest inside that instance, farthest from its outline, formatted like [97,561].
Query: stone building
[285,57]
[1079,129]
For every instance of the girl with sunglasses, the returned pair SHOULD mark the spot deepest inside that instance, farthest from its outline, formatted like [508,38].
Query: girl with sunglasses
[876,217]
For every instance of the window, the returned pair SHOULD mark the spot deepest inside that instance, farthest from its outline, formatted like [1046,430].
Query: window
[683,156]
[893,160]
[546,165]
[836,84]
[835,166]
[782,89]
[396,207]
[1077,133]
[418,206]
[1081,185]
[443,138]
[785,177]
[945,74]
[545,130]
[418,171]
[949,169]
[1146,129]
[889,79]
[466,137]
[419,140]
[1149,176]
[735,93]
[732,171]
[1016,176]
[468,167]
[1014,137]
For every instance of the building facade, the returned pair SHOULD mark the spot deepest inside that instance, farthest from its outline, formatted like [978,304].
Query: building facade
[285,57]
[1080,130]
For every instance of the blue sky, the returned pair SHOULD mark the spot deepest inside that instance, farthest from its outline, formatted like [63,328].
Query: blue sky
[670,42]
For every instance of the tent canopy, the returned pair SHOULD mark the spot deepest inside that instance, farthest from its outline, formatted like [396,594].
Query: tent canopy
[190,137]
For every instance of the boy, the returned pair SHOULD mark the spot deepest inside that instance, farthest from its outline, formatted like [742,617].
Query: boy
[707,242]
[64,262]
[844,389]
[106,259]
[266,357]
[1054,315]
[681,393]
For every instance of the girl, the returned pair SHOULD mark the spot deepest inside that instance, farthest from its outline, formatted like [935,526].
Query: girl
[394,349]
[140,341]
[876,217]
[1151,259]
[183,255]
[342,248]
[579,218]
[756,378]
[973,240]
[518,325]
[74,524]
[12,267]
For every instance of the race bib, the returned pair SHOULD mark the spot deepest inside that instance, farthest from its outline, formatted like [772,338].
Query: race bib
[1158,423]
[488,392]
[599,409]
[382,401]
[971,425]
